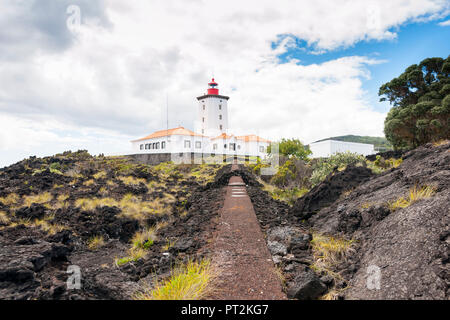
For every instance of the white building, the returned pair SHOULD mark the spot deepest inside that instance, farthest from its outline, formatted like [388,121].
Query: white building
[213,136]
[327,148]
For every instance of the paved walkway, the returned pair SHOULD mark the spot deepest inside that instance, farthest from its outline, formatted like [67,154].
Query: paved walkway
[246,269]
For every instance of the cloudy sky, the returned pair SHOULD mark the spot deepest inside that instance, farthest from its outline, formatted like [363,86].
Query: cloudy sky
[94,74]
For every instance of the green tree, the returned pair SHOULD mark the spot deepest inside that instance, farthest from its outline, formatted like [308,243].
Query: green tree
[293,148]
[420,97]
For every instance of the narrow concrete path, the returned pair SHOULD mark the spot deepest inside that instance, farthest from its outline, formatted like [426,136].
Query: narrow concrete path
[246,269]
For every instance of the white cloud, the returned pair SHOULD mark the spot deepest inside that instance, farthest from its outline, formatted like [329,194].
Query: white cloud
[112,82]
[445,23]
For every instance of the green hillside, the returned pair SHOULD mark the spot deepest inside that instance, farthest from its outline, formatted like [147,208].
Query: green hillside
[380,143]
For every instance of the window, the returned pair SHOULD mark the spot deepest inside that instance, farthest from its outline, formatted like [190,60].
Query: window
[198,144]
[225,146]
[163,145]
[203,107]
[203,131]
[141,146]
[220,117]
[146,146]
[203,119]
[154,145]
[239,147]
[215,146]
[261,149]
[220,127]
[157,145]
[233,146]
[220,107]
[187,144]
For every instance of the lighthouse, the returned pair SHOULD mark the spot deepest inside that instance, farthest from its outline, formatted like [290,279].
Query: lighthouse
[210,139]
[213,111]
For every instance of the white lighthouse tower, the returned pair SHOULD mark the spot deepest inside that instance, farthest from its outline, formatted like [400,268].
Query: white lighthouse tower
[213,111]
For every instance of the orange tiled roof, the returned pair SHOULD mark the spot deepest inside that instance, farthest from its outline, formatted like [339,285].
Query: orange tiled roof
[170,132]
[247,138]
[223,136]
[252,137]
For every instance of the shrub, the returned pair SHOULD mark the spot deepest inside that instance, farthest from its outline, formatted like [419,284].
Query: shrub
[55,167]
[323,167]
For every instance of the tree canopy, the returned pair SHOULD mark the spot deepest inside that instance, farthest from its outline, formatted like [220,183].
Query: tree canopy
[420,97]
[293,147]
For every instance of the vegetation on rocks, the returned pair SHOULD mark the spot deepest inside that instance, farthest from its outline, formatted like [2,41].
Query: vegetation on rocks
[105,212]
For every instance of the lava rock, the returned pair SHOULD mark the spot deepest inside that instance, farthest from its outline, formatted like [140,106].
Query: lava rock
[300,243]
[182,245]
[330,190]
[306,286]
[277,248]
[35,211]
[349,221]
[25,241]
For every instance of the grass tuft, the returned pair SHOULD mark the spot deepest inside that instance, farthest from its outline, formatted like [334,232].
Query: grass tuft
[96,242]
[134,255]
[415,194]
[10,199]
[191,281]
[4,219]
[329,251]
[144,239]
[41,198]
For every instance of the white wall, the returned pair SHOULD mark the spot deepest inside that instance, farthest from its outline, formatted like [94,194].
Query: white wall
[211,125]
[175,144]
[329,147]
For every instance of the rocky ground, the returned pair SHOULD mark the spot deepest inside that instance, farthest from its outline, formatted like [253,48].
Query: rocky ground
[387,252]
[356,235]
[46,226]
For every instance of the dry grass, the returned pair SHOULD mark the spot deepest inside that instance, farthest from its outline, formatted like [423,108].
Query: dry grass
[131,205]
[191,281]
[329,251]
[333,294]
[169,244]
[441,142]
[87,204]
[204,173]
[43,224]
[96,242]
[414,195]
[88,183]
[100,175]
[279,273]
[10,199]
[41,198]
[130,180]
[4,219]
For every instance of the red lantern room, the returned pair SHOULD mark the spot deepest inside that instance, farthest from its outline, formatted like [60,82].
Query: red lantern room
[213,87]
